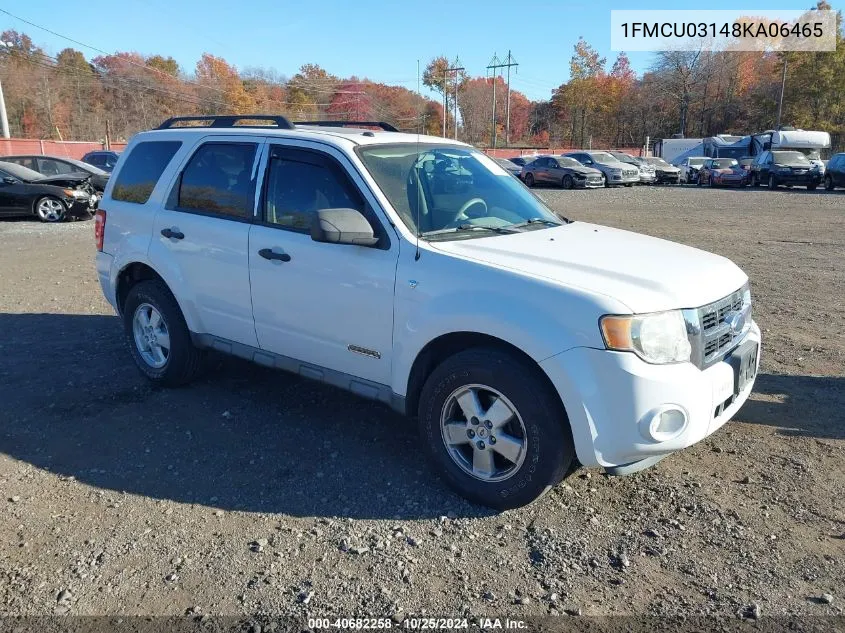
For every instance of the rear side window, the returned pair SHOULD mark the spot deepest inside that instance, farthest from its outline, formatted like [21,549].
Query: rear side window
[142,169]
[219,179]
[50,167]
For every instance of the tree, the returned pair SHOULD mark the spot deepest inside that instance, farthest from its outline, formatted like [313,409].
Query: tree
[221,86]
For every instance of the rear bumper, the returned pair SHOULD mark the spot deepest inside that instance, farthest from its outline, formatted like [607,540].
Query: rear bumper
[104,263]
[610,398]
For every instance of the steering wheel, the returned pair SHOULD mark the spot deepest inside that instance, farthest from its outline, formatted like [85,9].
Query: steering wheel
[468,205]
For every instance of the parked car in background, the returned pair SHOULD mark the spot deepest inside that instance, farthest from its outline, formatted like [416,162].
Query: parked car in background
[105,159]
[834,175]
[57,165]
[745,162]
[522,160]
[647,172]
[508,166]
[615,172]
[563,171]
[689,168]
[664,172]
[50,198]
[785,167]
[722,172]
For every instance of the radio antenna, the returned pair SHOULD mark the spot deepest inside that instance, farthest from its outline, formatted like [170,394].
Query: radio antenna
[415,171]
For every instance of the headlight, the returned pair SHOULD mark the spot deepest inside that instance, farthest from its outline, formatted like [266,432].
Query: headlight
[75,193]
[660,337]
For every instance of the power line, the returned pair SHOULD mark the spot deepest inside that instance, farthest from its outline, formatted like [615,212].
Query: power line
[494,65]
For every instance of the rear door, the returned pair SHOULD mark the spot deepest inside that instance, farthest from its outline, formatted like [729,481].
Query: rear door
[327,305]
[201,235]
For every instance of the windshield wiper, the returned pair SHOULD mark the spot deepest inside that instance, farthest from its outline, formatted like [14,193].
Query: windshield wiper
[469,227]
[531,221]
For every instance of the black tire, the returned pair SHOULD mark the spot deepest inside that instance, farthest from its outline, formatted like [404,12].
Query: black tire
[698,182]
[529,179]
[550,451]
[828,183]
[710,182]
[184,361]
[755,180]
[567,182]
[812,187]
[772,182]
[50,200]
[629,184]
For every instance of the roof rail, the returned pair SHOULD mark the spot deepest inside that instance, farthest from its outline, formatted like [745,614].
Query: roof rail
[227,120]
[380,124]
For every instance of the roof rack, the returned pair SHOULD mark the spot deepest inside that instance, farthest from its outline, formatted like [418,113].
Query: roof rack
[227,120]
[380,124]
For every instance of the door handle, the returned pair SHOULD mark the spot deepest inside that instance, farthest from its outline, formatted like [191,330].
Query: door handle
[173,234]
[269,253]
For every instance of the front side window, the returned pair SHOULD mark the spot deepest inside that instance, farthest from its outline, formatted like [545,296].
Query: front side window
[445,191]
[219,179]
[142,169]
[301,183]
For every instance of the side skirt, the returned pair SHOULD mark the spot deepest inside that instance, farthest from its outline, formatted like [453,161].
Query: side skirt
[359,386]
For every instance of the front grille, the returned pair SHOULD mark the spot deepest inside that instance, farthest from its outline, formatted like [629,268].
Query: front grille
[711,327]
[630,173]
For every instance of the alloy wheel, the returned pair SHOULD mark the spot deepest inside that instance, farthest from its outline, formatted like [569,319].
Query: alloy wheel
[152,338]
[483,433]
[50,210]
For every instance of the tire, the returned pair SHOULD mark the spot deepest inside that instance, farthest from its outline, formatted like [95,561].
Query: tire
[567,182]
[828,183]
[182,361]
[755,180]
[537,423]
[698,182]
[811,187]
[629,184]
[529,179]
[50,209]
[710,181]
[772,182]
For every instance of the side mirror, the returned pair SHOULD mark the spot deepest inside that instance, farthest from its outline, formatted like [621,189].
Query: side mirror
[342,226]
[8,180]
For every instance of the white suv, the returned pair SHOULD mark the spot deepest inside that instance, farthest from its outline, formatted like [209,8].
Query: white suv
[415,271]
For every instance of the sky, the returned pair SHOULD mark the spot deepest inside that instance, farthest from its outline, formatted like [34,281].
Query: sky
[379,40]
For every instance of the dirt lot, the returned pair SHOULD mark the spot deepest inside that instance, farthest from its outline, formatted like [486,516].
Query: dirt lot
[255,491]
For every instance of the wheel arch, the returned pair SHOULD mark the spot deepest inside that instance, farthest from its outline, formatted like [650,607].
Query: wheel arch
[442,347]
[131,275]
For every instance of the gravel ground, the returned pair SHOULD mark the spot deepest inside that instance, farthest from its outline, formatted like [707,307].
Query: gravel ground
[258,492]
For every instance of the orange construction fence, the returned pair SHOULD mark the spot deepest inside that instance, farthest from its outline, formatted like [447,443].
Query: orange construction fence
[65,149]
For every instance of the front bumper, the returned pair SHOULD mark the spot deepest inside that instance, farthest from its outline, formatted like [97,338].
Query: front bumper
[609,396]
[808,178]
[668,176]
[589,183]
[737,181]
[648,178]
[79,207]
[622,179]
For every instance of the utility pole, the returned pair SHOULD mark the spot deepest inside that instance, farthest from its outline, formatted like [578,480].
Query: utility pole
[495,64]
[4,120]
[455,69]
[782,88]
[510,61]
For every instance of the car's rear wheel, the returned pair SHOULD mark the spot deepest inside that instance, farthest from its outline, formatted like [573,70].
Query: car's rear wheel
[828,183]
[496,431]
[529,179]
[157,335]
[811,187]
[772,182]
[50,209]
[567,182]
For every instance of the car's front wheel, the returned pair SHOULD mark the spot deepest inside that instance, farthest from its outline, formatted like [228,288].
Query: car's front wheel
[529,179]
[828,183]
[157,335]
[494,427]
[567,182]
[50,209]
[772,182]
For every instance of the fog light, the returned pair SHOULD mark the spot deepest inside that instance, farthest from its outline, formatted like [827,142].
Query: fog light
[664,423]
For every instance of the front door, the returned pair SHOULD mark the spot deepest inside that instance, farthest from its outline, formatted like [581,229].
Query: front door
[328,305]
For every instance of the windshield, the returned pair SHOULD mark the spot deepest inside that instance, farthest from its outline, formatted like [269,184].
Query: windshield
[812,154]
[565,161]
[603,157]
[724,163]
[696,162]
[22,173]
[657,161]
[624,158]
[790,157]
[453,191]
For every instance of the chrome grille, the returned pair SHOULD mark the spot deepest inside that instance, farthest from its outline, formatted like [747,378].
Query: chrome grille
[630,172]
[711,335]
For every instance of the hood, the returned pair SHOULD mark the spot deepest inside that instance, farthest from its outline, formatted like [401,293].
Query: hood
[666,168]
[66,180]
[644,273]
[586,171]
[616,164]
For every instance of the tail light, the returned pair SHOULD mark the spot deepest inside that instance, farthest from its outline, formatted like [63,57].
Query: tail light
[100,228]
